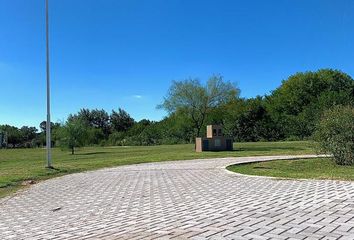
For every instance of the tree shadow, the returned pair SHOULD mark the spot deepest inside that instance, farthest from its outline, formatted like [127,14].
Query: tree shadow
[267,149]
[91,153]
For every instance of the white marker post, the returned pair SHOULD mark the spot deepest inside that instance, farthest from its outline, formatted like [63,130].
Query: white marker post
[48,125]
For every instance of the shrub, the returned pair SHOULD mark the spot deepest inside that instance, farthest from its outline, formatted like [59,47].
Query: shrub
[335,134]
[116,138]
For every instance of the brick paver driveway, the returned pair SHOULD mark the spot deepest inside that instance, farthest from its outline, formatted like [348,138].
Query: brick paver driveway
[196,199]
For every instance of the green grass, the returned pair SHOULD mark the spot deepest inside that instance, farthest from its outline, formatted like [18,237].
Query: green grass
[18,165]
[313,168]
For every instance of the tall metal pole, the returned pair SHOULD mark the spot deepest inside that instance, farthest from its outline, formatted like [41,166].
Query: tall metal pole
[48,125]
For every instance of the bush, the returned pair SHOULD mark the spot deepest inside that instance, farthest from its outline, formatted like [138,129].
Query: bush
[335,134]
[116,138]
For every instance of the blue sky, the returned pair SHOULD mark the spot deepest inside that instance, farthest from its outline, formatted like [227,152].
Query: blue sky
[125,53]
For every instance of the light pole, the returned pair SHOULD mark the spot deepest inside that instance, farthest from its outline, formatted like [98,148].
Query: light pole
[48,125]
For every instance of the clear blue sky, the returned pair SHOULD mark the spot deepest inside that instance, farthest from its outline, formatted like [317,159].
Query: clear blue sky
[124,53]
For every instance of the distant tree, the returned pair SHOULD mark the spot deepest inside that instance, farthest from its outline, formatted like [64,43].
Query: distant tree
[134,136]
[28,133]
[74,134]
[176,128]
[139,127]
[43,125]
[196,101]
[100,119]
[14,135]
[121,121]
[3,139]
[41,137]
[96,118]
[298,103]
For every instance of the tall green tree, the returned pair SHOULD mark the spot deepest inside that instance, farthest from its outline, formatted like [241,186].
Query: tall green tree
[96,118]
[14,135]
[196,100]
[28,133]
[74,134]
[121,121]
[298,103]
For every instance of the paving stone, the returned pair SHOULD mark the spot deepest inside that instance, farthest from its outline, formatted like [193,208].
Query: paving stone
[195,199]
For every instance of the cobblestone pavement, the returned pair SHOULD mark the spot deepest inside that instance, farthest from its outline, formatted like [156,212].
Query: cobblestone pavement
[196,199]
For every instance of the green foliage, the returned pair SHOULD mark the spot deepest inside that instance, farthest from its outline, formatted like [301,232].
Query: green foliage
[176,128]
[248,120]
[3,139]
[121,121]
[40,140]
[14,135]
[195,101]
[117,138]
[17,137]
[335,134]
[299,102]
[290,112]
[96,118]
[74,134]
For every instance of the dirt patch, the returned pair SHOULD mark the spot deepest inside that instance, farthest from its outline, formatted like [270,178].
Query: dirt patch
[28,182]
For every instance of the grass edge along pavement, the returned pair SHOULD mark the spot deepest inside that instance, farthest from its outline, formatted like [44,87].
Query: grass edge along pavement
[21,167]
[321,168]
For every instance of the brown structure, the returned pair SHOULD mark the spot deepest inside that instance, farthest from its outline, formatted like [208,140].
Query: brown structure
[215,140]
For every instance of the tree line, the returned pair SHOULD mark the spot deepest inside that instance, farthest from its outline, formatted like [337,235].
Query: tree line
[290,112]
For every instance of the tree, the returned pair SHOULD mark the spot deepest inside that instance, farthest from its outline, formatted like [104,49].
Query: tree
[28,133]
[96,118]
[335,134]
[121,120]
[14,135]
[3,139]
[100,119]
[298,103]
[176,128]
[134,136]
[248,120]
[74,134]
[195,100]
[43,126]
[55,129]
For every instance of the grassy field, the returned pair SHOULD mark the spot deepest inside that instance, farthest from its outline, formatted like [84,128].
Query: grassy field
[315,168]
[19,165]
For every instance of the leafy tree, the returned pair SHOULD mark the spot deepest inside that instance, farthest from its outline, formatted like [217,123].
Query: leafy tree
[41,137]
[297,104]
[95,118]
[335,134]
[117,138]
[289,112]
[28,133]
[43,125]
[194,100]
[74,134]
[14,135]
[176,128]
[3,139]
[134,135]
[121,120]
[100,119]
[246,120]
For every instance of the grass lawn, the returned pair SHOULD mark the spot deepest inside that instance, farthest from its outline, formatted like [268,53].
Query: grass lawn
[313,168]
[18,165]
